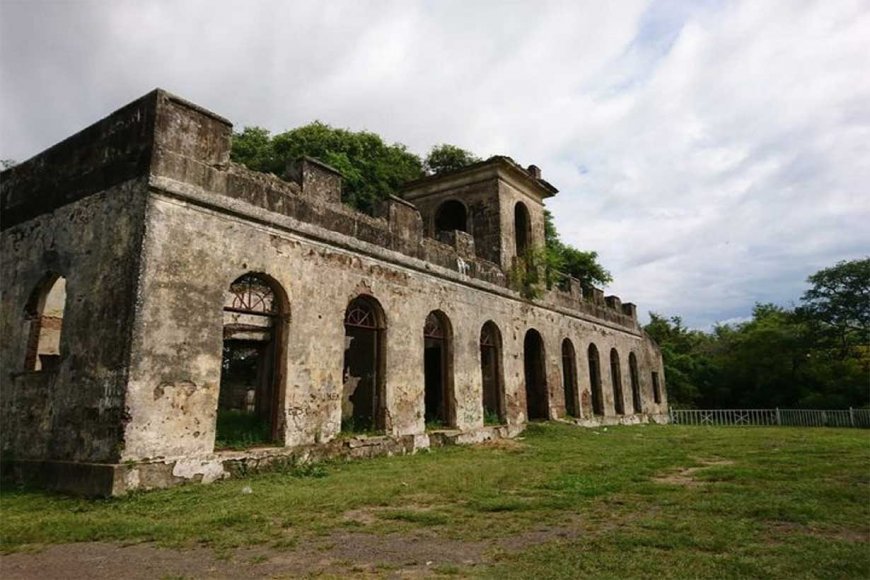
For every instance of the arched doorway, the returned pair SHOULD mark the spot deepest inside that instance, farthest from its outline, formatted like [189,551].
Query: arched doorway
[251,384]
[522,228]
[362,403]
[438,370]
[451,215]
[616,378]
[635,383]
[569,379]
[44,315]
[537,403]
[491,370]
[595,381]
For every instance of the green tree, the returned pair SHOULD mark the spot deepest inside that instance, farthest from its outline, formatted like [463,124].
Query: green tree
[562,258]
[685,352]
[371,168]
[838,303]
[443,158]
[813,356]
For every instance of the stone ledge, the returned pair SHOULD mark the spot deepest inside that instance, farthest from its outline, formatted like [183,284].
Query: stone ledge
[116,479]
[610,420]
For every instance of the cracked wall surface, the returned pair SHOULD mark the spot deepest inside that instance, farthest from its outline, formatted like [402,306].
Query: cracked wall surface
[150,223]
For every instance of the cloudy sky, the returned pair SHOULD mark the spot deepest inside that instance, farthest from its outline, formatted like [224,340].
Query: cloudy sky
[714,153]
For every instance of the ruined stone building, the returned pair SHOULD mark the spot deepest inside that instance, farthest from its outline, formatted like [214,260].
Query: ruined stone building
[155,293]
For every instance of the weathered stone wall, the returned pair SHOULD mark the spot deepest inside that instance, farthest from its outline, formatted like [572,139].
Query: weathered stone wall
[479,194]
[148,261]
[192,254]
[75,413]
[509,196]
[109,152]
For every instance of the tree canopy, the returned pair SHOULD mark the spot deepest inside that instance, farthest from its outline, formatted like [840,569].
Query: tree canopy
[813,356]
[443,158]
[372,169]
[561,257]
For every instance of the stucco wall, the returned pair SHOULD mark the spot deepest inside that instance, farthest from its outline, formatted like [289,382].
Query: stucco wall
[193,252]
[74,413]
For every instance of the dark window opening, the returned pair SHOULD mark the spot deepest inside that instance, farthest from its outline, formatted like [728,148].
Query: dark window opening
[249,409]
[595,381]
[635,384]
[657,389]
[569,379]
[537,404]
[44,316]
[437,371]
[451,215]
[616,378]
[491,369]
[362,403]
[522,228]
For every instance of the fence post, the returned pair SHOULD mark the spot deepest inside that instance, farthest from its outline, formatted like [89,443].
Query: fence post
[851,416]
[778,419]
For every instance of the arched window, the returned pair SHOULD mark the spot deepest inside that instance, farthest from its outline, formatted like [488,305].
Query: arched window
[252,377]
[534,362]
[491,369]
[451,215]
[522,228]
[657,389]
[363,396]
[569,379]
[616,378]
[595,381]
[438,371]
[44,316]
[635,384]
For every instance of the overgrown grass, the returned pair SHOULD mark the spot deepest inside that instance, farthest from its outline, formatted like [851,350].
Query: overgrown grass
[239,430]
[778,502]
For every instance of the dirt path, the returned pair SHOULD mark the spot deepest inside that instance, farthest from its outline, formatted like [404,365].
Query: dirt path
[341,554]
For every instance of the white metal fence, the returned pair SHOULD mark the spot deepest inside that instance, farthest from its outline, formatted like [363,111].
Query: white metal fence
[787,417]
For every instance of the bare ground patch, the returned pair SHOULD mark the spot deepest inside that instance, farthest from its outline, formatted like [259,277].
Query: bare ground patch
[776,530]
[511,445]
[360,554]
[685,476]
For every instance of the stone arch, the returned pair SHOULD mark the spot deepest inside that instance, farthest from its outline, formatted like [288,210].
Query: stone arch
[439,397]
[535,370]
[251,394]
[616,380]
[492,373]
[522,228]
[636,401]
[595,380]
[451,215]
[569,378]
[43,314]
[363,401]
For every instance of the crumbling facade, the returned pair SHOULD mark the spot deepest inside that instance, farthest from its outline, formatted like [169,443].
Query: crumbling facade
[155,294]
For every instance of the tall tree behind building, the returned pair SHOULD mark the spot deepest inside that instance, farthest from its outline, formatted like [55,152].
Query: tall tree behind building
[814,356]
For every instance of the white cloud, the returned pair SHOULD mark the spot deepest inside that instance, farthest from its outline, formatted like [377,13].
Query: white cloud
[714,153]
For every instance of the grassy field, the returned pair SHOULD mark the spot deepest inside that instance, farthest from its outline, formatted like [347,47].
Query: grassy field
[562,502]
